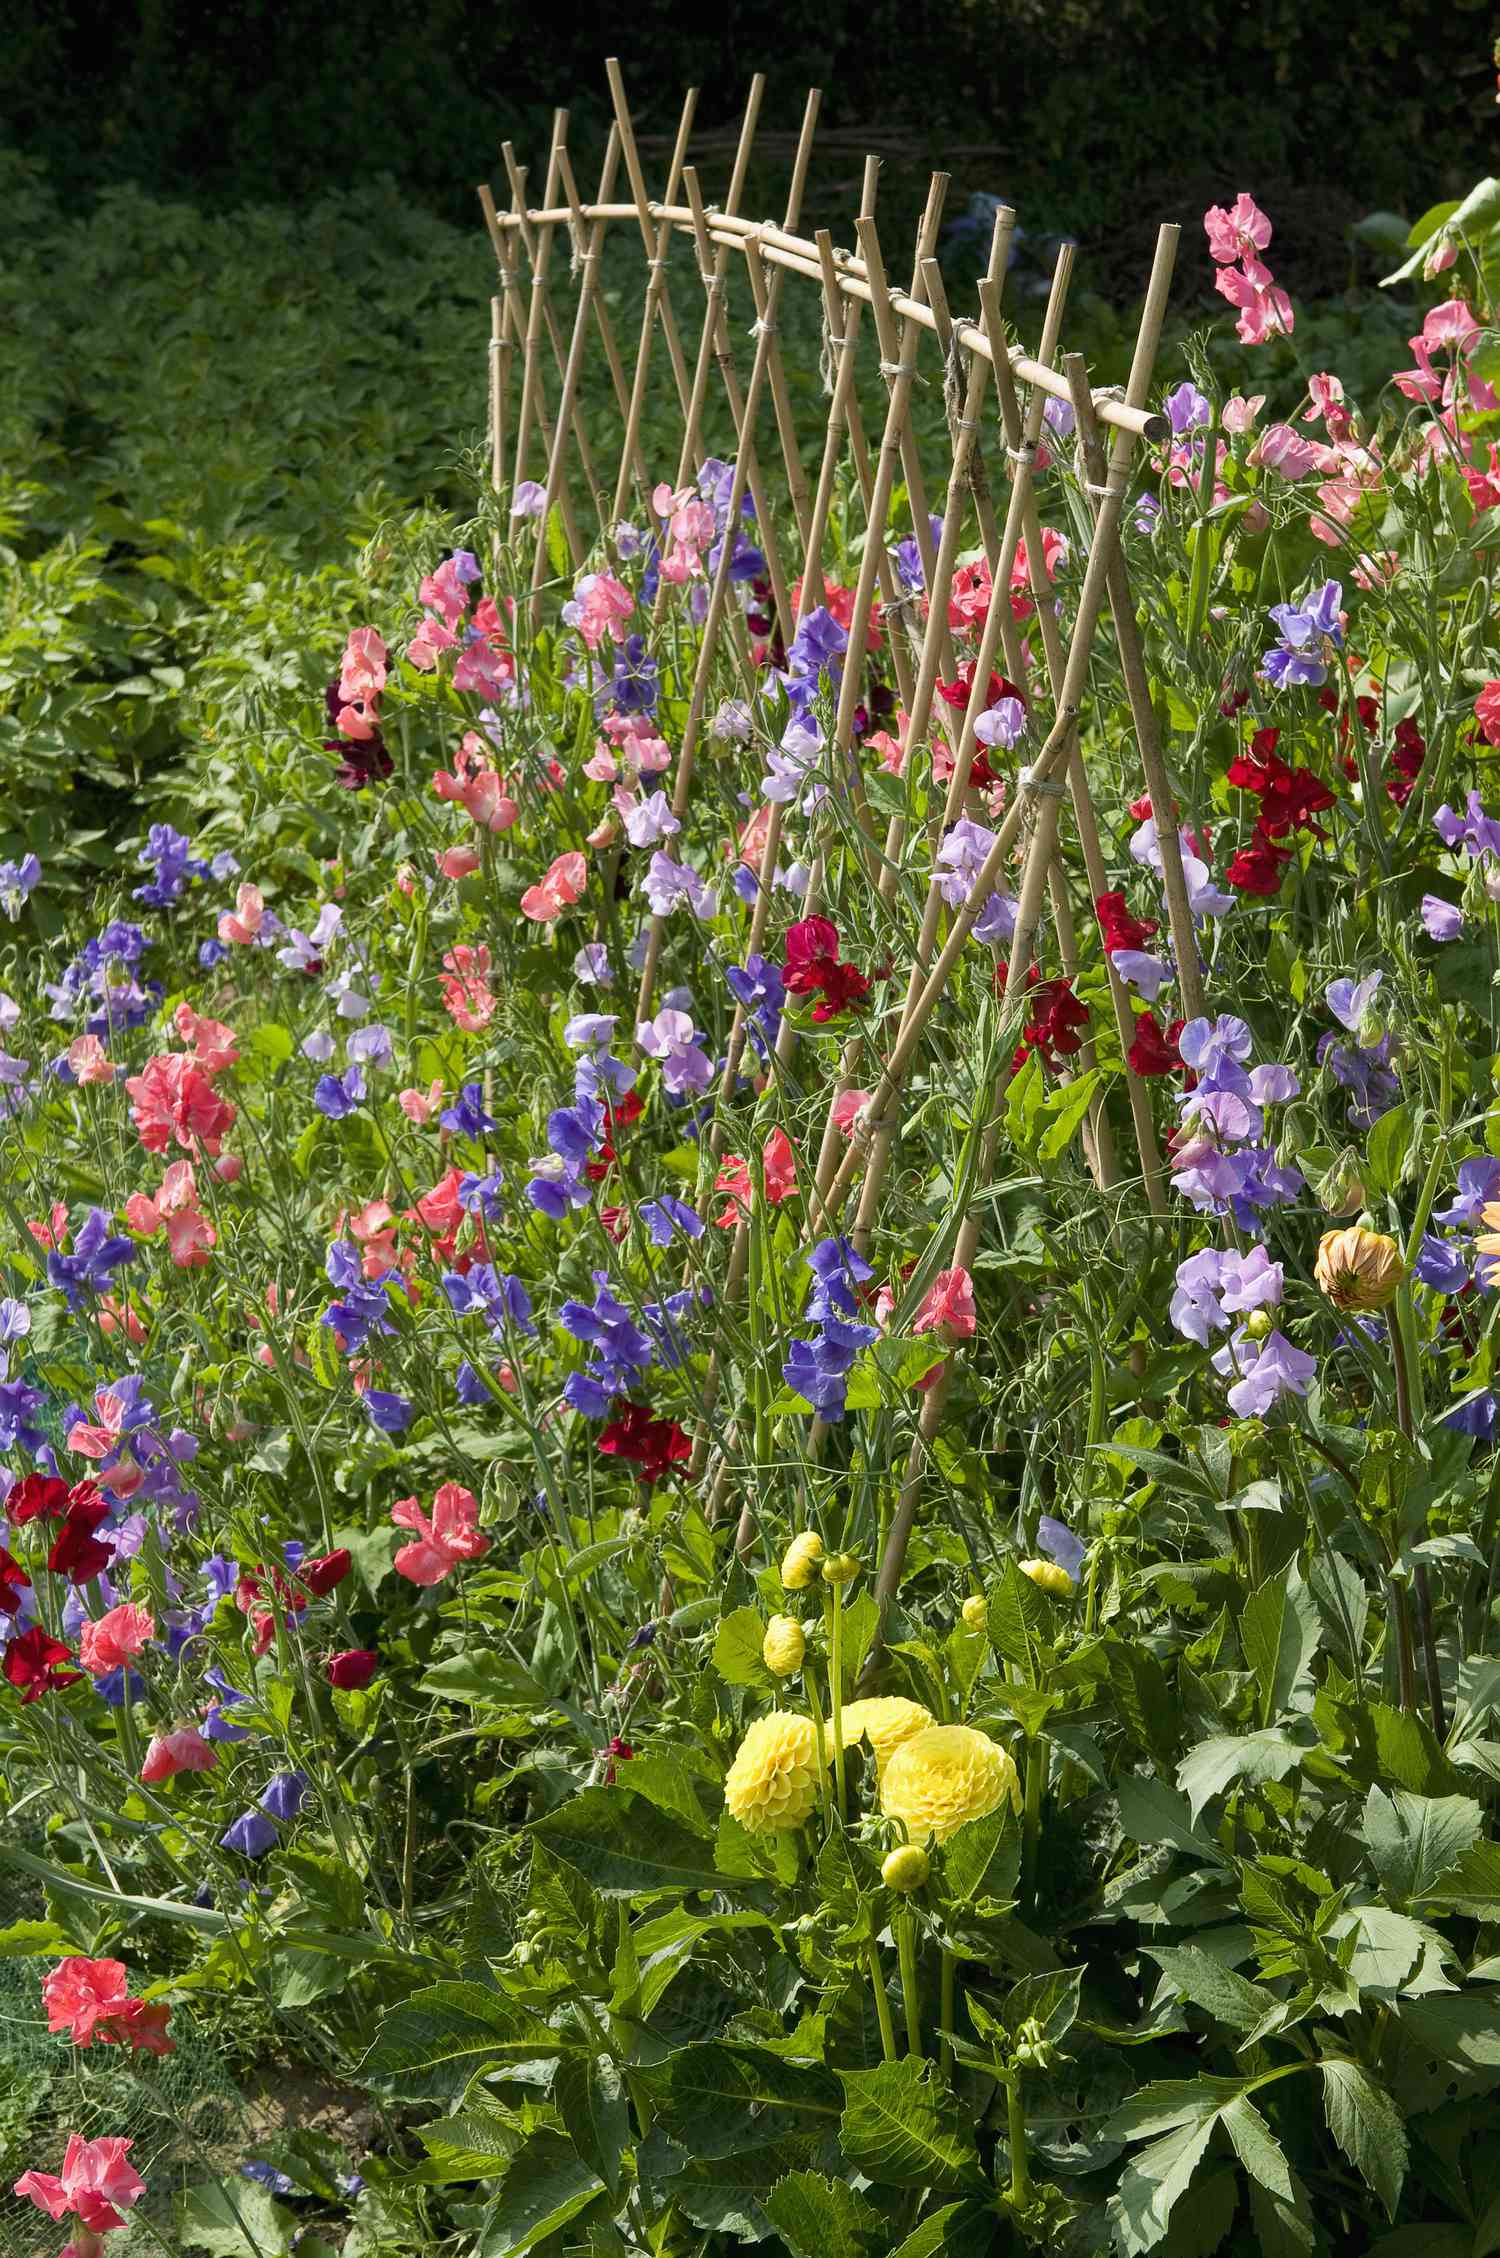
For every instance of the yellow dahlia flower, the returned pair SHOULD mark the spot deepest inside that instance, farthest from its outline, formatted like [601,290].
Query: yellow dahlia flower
[886,1722]
[800,1564]
[783,1647]
[943,1777]
[1048,1576]
[1358,1269]
[906,1868]
[772,1784]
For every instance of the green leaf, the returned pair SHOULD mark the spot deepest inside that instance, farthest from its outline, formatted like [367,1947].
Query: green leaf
[1388,1149]
[1224,1758]
[546,2186]
[1413,1840]
[1451,2049]
[958,2230]
[1018,1618]
[1152,1812]
[1473,1886]
[818,2217]
[728,2195]
[719,2100]
[588,2093]
[1367,2125]
[1153,2181]
[1408,1751]
[1143,1696]
[1257,2147]
[233,2221]
[479,1676]
[626,1847]
[982,1861]
[901,2127]
[456,2022]
[1072,1103]
[1280,1630]
[1205,1982]
[737,1649]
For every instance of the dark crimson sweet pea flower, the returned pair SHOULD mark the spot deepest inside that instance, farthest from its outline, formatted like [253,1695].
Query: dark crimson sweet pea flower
[13,1578]
[352,1669]
[36,1497]
[77,1552]
[329,1568]
[653,1445]
[35,1664]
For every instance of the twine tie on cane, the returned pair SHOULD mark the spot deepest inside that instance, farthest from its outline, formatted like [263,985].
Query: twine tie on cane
[763,328]
[1052,786]
[892,369]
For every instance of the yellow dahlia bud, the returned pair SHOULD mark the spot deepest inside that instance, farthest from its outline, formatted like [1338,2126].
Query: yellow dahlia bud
[783,1647]
[976,1611]
[841,1568]
[800,1563]
[772,1784]
[905,1869]
[1358,1269]
[943,1777]
[1047,1576]
[1260,1324]
[885,1722]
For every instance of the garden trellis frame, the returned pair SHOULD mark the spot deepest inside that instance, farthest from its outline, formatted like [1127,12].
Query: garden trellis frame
[994,396]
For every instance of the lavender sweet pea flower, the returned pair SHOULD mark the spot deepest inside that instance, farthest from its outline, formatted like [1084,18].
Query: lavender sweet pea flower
[591,966]
[529,499]
[1442,1265]
[1441,920]
[390,1413]
[283,1797]
[18,881]
[252,1835]
[1476,1415]
[371,1046]
[650,820]
[1269,1371]
[466,1117]
[1138,969]
[1186,409]
[1059,1543]
[996,922]
[336,1096]
[961,857]
[1476,832]
[1478,1187]
[672,1039]
[1350,1001]
[667,1215]
[1000,725]
[667,883]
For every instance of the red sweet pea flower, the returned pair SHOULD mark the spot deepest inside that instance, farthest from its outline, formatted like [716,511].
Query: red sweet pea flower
[1407,756]
[1152,1052]
[956,693]
[36,1497]
[1257,869]
[329,1568]
[354,1668]
[76,1552]
[1056,1014]
[34,1664]
[653,1445]
[618,1751]
[813,969]
[1119,928]
[13,1579]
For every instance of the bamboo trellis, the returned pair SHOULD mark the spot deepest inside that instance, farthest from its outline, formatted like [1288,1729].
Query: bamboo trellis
[995,397]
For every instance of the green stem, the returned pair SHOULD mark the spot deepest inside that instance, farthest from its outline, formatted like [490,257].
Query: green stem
[911,1994]
[809,1680]
[947,2008]
[877,1986]
[1038,1755]
[836,1689]
[1015,2133]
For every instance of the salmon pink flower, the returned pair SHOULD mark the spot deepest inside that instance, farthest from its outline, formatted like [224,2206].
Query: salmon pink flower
[1279,448]
[241,924]
[457,862]
[453,1534]
[115,1639]
[1238,415]
[466,989]
[89,1062]
[182,1751]
[362,667]
[79,1994]
[213,1045]
[96,2184]
[556,890]
[1237,233]
[428,644]
[948,1308]
[419,1106]
[847,1107]
[173,1100]
[779,1169]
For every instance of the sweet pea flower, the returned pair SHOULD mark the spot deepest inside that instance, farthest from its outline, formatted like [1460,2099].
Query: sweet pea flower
[1441,920]
[184,1750]
[947,1308]
[451,1535]
[557,889]
[97,2184]
[242,924]
[1238,233]
[672,1039]
[115,1639]
[1269,1370]
[88,1061]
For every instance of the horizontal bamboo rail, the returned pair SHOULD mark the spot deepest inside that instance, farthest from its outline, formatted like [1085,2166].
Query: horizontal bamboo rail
[800,256]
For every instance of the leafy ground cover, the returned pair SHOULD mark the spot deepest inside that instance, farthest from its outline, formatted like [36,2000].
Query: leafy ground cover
[406,1677]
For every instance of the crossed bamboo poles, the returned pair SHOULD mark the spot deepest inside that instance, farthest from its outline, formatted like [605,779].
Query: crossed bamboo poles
[976,360]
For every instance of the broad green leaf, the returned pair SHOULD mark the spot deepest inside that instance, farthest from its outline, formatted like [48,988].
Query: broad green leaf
[1257,2147]
[1279,1629]
[1367,2125]
[718,2100]
[1205,1982]
[958,2230]
[1143,1696]
[1413,1840]
[546,2186]
[1386,1153]
[728,2195]
[817,2217]
[1473,1886]
[1073,1104]
[662,1778]
[1018,1618]
[737,1649]
[1153,2181]
[901,2127]
[1152,1812]
[626,1847]
[233,2219]
[1409,1753]
[455,2022]
[982,1861]
[589,2095]
[1216,1763]
[479,1677]
[1451,2049]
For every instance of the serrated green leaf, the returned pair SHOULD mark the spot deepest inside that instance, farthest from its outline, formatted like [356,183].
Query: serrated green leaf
[457,2022]
[1205,1982]
[982,1861]
[588,2093]
[717,2100]
[737,1649]
[1280,1630]
[901,2127]
[626,1847]
[546,2186]
[1217,1763]
[1413,1840]
[1367,2125]
[817,2217]
[1473,1886]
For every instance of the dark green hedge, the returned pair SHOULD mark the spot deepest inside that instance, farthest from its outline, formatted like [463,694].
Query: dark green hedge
[1100,113]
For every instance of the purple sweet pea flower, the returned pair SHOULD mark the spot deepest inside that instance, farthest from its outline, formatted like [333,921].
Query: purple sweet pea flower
[1440,919]
[1441,1265]
[1269,1370]
[252,1835]
[390,1413]
[1059,1543]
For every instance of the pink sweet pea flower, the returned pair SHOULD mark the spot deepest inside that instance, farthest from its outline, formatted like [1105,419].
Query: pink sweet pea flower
[357,723]
[362,668]
[466,987]
[241,924]
[556,890]
[186,1750]
[1237,233]
[213,1045]
[601,767]
[450,1536]
[419,1106]
[1238,414]
[457,862]
[88,1060]
[428,644]
[173,1100]
[1279,448]
[1326,405]
[116,1638]
[1450,327]
[96,2183]
[948,1307]
[846,1109]
[79,1994]
[603,605]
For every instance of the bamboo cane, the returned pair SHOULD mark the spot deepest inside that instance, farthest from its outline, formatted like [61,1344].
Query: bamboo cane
[643,213]
[601,311]
[656,267]
[536,242]
[514,336]
[588,261]
[713,264]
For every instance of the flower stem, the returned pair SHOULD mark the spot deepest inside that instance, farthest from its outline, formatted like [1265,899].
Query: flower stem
[836,1689]
[947,2008]
[1015,2133]
[911,1994]
[1038,1755]
[877,1986]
